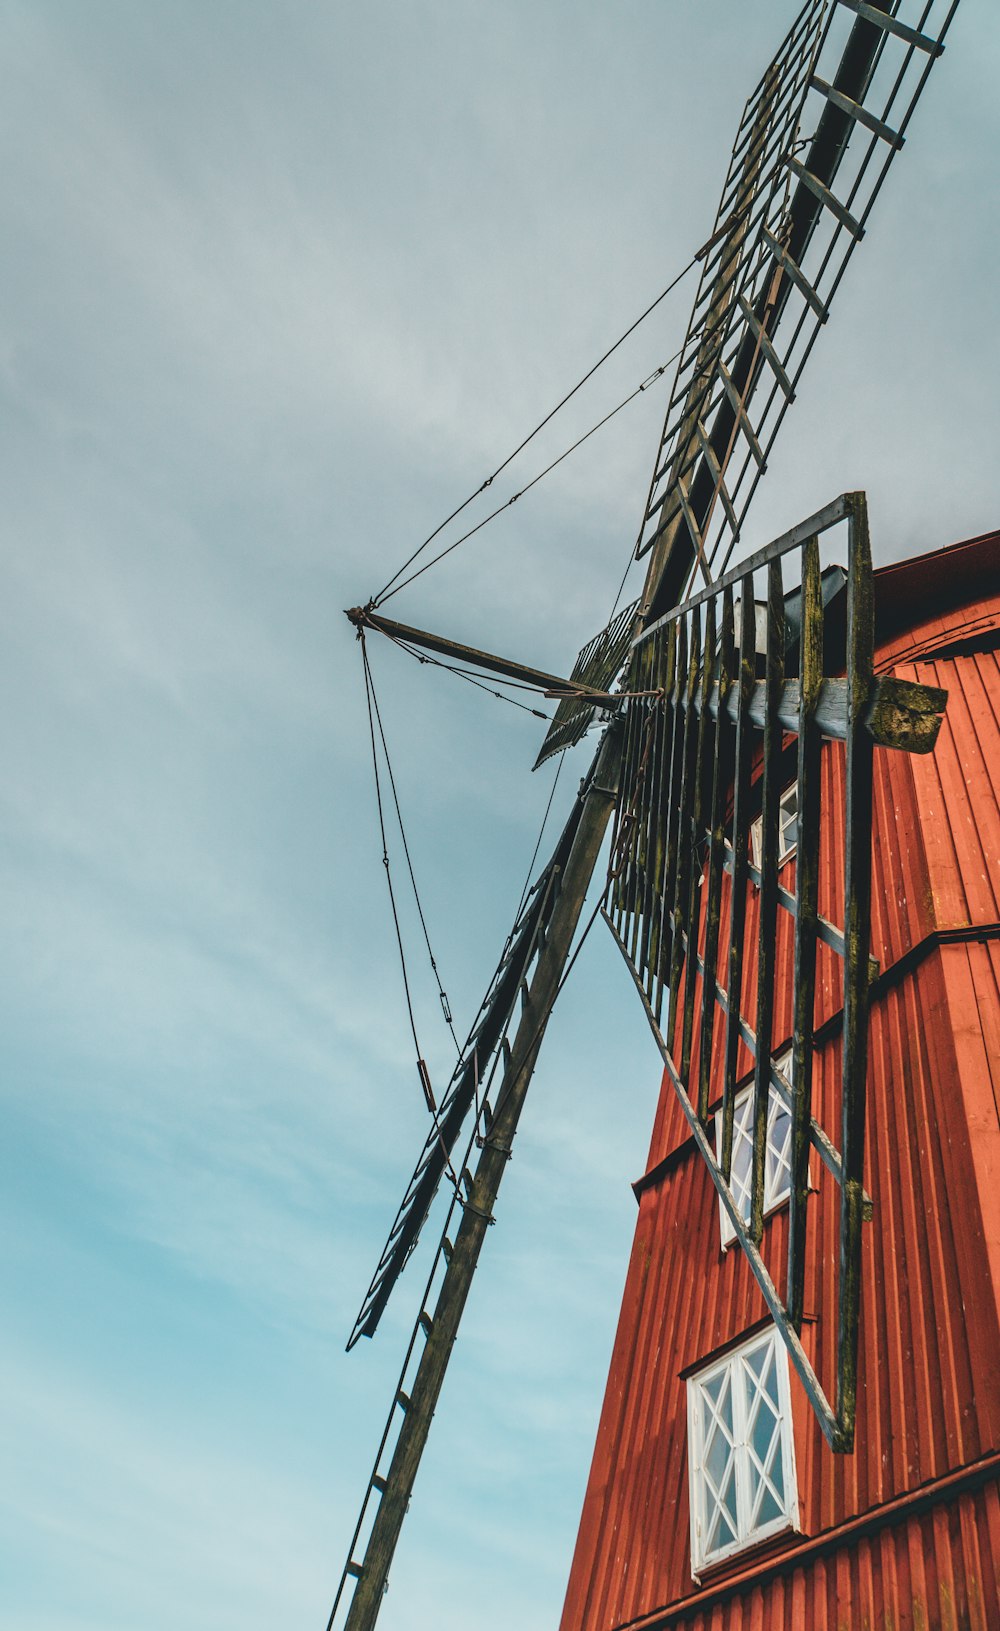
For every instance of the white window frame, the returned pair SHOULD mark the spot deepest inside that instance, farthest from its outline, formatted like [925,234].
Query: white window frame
[787,818]
[777,1172]
[752,1477]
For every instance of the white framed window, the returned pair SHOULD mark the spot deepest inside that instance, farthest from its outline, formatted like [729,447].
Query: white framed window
[741,1452]
[788,815]
[777,1160]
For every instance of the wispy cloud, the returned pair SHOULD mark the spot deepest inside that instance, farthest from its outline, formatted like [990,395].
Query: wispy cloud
[276,293]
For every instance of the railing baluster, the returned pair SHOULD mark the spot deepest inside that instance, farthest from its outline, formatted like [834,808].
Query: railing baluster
[807,842]
[741,839]
[667,640]
[654,752]
[683,870]
[676,758]
[857,936]
[628,798]
[716,854]
[768,902]
[692,905]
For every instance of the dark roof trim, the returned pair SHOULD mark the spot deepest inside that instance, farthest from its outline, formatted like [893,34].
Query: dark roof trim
[906,591]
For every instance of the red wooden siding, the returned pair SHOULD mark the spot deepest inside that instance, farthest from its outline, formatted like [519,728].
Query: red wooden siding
[938,1565]
[906,1531]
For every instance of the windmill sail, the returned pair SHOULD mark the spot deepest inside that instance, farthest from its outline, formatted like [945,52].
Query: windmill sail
[468,1080]
[813,148]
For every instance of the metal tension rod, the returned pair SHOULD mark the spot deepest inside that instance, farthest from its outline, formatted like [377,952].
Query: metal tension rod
[551,685]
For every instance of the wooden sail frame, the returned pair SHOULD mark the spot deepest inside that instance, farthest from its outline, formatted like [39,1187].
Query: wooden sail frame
[715,707]
[469,1084]
[802,204]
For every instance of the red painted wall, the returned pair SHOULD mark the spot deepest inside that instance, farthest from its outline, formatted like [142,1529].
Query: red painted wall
[906,1531]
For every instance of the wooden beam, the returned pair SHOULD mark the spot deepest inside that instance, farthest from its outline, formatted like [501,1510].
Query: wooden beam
[598,796]
[363,617]
[898,714]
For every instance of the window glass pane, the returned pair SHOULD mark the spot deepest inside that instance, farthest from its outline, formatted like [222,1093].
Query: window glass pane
[770,1375]
[776,1474]
[714,1387]
[722,1527]
[739,1173]
[717,1458]
[756,1361]
[739,1181]
[777,1161]
[788,815]
[716,1426]
[742,1114]
[764,1473]
[778,1149]
[763,1431]
[719,1472]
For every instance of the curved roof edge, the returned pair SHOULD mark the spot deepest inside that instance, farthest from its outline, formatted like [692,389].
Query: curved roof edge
[940,580]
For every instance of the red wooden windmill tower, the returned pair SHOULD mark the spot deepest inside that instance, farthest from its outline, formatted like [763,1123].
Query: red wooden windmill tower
[802,1397]
[713,1499]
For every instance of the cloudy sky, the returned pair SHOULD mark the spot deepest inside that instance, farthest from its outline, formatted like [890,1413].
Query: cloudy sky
[280,285]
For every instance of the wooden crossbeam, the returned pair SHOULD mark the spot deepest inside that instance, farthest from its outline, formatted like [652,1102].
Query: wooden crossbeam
[760,336]
[899,713]
[859,114]
[892,25]
[796,274]
[826,197]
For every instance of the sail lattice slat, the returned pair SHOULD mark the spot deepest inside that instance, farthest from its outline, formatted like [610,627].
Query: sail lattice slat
[596,667]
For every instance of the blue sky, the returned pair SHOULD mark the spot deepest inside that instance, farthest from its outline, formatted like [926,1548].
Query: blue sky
[280,286]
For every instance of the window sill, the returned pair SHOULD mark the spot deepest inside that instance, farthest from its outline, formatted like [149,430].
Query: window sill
[761,1550]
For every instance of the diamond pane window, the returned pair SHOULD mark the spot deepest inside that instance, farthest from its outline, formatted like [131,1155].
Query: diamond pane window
[777,1169]
[788,817]
[740,1451]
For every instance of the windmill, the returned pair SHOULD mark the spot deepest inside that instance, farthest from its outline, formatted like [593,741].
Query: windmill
[697,681]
